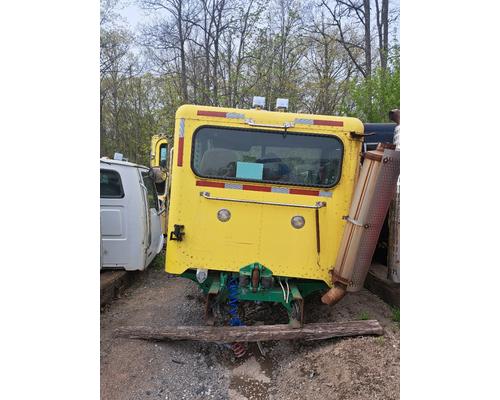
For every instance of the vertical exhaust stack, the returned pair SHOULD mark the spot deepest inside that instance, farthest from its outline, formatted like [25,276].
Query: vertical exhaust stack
[372,196]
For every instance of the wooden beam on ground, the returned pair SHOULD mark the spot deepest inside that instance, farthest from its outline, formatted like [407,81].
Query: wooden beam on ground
[377,283]
[230,334]
[114,283]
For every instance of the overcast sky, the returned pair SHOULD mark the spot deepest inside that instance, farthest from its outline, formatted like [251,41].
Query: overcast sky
[134,15]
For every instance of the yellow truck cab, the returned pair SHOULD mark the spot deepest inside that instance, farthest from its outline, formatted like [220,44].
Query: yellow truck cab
[160,162]
[257,202]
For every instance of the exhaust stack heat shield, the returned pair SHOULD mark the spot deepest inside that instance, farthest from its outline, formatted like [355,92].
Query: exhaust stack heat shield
[371,200]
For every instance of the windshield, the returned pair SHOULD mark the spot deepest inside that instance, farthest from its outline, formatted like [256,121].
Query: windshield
[265,156]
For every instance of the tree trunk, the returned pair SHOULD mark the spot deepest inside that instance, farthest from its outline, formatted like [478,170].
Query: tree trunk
[368,41]
[182,40]
[384,50]
[230,334]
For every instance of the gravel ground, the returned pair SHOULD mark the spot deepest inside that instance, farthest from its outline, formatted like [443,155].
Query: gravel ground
[350,368]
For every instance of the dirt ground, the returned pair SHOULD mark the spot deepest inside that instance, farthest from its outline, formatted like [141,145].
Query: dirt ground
[350,368]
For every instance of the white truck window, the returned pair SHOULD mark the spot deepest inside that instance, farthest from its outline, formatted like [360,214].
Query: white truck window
[152,196]
[111,184]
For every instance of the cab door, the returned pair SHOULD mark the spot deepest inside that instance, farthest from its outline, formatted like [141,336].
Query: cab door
[114,209]
[154,242]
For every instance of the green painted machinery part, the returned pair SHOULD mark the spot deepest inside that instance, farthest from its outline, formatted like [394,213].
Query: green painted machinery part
[216,282]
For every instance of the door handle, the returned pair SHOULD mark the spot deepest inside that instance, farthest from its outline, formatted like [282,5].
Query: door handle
[177,233]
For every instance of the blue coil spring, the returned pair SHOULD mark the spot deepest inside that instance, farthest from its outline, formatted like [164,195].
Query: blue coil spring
[232,288]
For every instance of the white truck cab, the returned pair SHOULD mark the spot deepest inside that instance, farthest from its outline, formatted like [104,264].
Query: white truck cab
[131,234]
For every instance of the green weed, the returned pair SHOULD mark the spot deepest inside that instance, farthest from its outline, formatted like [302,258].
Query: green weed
[395,314]
[364,316]
[158,262]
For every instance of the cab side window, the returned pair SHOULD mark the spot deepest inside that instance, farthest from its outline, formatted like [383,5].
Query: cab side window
[163,156]
[111,185]
[152,196]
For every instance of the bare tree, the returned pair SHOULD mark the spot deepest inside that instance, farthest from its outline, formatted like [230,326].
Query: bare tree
[108,14]
[323,56]
[328,69]
[238,49]
[171,34]
[211,23]
[365,20]
[346,17]
[383,31]
[280,52]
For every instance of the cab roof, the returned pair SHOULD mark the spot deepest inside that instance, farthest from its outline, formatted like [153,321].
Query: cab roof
[105,160]
[235,115]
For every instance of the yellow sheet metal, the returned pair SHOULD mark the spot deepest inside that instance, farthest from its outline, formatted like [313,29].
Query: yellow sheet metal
[257,232]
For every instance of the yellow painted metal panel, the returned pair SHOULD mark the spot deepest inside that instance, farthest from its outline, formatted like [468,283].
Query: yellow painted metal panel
[156,142]
[257,232]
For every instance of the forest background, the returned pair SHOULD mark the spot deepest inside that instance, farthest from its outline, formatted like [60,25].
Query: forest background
[330,57]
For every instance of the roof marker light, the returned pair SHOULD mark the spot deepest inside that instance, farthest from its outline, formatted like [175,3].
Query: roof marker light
[258,102]
[281,104]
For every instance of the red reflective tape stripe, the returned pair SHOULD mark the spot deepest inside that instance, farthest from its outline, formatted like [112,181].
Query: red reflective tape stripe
[180,153]
[305,192]
[330,123]
[257,188]
[212,113]
[210,184]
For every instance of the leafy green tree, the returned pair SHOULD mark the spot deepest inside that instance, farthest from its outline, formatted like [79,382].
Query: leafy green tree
[370,99]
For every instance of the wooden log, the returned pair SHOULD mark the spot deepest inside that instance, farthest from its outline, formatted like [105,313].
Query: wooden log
[393,252]
[393,255]
[377,283]
[230,334]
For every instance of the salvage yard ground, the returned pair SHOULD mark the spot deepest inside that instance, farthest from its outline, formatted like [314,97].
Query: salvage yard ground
[350,368]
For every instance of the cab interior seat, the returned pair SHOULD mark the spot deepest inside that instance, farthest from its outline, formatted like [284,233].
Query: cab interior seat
[219,162]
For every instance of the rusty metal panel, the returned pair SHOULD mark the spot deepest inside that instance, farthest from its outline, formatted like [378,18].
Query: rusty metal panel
[384,189]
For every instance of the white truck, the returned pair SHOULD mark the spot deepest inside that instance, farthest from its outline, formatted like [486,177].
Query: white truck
[131,234]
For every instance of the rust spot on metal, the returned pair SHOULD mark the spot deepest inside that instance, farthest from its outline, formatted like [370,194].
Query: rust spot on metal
[334,294]
[255,279]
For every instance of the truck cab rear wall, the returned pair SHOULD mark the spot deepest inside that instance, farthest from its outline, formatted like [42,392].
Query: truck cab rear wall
[260,231]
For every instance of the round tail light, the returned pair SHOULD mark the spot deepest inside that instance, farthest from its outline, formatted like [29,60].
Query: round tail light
[298,221]
[223,215]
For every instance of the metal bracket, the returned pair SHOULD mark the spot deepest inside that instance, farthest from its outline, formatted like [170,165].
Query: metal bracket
[354,222]
[285,126]
[355,135]
[162,211]
[318,204]
[297,297]
[337,278]
[213,291]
